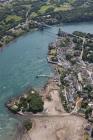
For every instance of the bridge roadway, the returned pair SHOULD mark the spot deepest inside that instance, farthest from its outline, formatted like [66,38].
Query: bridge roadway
[49,26]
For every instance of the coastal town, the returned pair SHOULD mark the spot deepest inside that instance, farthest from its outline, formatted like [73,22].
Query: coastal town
[61,108]
[75,69]
[67,97]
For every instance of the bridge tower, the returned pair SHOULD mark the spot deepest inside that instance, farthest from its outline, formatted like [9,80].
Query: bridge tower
[61,33]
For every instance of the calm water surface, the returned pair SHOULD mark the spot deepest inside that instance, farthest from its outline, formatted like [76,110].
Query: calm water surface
[20,62]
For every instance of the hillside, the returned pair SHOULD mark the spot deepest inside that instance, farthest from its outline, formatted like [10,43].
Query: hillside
[16,12]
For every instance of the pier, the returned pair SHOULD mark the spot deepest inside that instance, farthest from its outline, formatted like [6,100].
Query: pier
[44,75]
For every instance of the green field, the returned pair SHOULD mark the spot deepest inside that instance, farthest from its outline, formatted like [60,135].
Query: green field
[15,18]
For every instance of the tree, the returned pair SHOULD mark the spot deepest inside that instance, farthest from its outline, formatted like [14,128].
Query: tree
[27,125]
[92,133]
[68,56]
[88,88]
[36,103]
[88,112]
[1,44]
[90,58]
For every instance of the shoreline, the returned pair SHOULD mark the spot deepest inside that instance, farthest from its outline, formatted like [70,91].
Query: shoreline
[14,40]
[36,29]
[53,108]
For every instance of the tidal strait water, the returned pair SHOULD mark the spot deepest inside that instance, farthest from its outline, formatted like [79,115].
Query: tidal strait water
[20,62]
